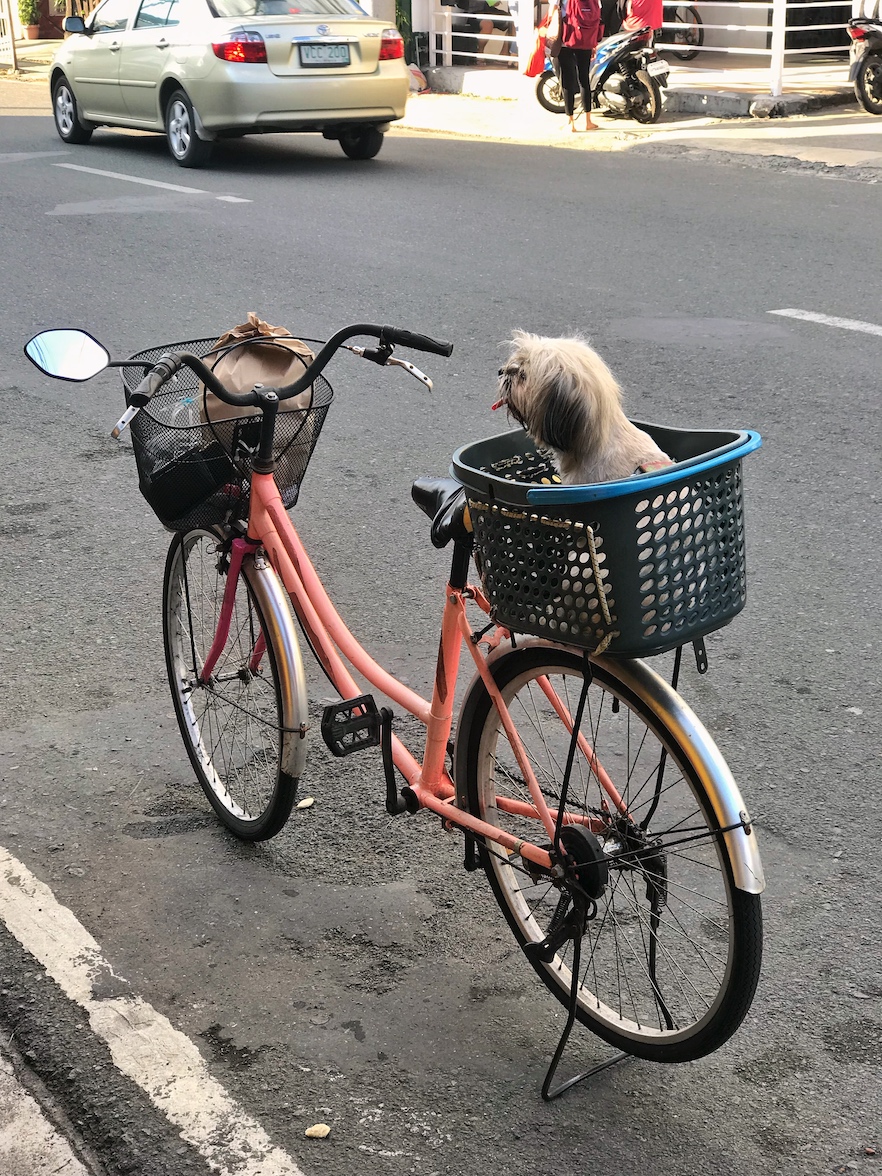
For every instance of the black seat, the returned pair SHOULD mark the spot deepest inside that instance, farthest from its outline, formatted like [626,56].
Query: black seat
[444,501]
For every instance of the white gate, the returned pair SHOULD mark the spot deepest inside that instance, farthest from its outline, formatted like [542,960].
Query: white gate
[7,36]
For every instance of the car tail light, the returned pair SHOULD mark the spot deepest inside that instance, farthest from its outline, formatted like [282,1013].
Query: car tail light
[243,46]
[391,45]
[856,34]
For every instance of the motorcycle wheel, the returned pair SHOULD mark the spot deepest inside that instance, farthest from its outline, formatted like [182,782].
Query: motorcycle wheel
[868,84]
[647,106]
[549,93]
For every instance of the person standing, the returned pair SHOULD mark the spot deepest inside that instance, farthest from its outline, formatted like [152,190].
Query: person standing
[640,13]
[581,32]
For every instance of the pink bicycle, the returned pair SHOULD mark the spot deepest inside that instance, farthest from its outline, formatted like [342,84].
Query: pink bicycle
[611,830]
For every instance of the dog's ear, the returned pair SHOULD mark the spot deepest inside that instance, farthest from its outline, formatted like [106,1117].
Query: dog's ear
[563,418]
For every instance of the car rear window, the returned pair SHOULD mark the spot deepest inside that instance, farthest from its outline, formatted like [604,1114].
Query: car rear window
[237,8]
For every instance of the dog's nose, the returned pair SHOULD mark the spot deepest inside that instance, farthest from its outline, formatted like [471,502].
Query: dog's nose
[501,372]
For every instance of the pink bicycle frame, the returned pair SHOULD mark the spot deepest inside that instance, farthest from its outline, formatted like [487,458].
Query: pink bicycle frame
[270,527]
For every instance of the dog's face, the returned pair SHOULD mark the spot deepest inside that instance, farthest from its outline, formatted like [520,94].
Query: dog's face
[560,391]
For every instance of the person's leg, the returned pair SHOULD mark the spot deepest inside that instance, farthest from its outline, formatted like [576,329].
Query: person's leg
[485,28]
[568,82]
[583,67]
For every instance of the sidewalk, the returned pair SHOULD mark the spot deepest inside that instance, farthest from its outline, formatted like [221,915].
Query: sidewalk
[718,85]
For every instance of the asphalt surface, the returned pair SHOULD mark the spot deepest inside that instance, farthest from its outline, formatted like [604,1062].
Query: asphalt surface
[349,971]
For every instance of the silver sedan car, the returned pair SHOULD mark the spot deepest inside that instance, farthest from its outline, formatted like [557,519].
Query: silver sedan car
[200,70]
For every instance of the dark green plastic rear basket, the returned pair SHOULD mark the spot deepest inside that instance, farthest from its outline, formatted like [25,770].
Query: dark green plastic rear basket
[634,567]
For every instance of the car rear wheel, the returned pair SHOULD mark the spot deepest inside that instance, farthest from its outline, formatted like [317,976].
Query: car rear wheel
[186,148]
[64,108]
[364,143]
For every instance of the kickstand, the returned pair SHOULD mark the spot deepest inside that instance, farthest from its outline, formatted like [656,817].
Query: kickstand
[547,1093]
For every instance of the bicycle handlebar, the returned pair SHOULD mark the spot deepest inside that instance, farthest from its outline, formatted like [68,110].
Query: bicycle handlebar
[172,362]
[417,342]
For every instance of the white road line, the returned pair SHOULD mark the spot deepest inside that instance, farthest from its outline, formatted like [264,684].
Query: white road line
[144,1044]
[94,171]
[828,320]
[23,156]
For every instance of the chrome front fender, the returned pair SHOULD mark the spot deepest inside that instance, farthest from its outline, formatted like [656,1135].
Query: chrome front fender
[282,635]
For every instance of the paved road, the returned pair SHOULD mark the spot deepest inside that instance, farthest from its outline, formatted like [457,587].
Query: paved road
[349,972]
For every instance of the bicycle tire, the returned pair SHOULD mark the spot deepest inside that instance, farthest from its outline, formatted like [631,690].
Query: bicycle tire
[707,945]
[692,33]
[243,729]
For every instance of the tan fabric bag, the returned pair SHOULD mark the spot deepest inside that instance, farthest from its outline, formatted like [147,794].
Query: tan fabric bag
[278,361]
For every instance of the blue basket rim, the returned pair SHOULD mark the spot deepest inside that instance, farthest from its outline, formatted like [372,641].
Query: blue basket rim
[747,441]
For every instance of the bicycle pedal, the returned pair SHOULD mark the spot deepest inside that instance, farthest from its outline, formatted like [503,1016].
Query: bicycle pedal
[351,725]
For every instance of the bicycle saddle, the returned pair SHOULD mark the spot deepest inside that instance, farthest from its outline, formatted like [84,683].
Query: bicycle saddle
[444,501]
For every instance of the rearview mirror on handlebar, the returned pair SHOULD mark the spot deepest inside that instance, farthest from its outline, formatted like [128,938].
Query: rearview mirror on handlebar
[67,354]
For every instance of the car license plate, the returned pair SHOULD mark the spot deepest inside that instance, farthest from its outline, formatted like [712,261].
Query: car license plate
[656,68]
[317,56]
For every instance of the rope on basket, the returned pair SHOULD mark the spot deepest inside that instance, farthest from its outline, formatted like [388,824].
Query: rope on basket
[601,592]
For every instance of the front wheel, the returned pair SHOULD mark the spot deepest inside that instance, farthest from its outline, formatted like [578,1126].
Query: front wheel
[868,84]
[670,949]
[67,120]
[187,149]
[646,99]
[244,727]
[549,92]
[362,144]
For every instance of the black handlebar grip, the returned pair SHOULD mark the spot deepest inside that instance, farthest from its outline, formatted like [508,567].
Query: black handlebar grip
[417,342]
[156,377]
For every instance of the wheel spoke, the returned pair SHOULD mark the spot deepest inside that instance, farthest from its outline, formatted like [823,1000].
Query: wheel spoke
[232,723]
[659,953]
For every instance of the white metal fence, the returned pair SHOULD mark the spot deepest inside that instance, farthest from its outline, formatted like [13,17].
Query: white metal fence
[466,36]
[764,30]
[7,36]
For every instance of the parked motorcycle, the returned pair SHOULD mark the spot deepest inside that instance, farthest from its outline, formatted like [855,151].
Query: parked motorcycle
[626,77]
[866,62]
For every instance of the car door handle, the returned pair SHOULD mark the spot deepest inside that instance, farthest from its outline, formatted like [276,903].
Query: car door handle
[114,46]
[163,44]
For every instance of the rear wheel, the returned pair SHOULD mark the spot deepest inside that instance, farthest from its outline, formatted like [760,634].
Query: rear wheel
[186,148]
[241,728]
[868,84]
[362,144]
[64,109]
[646,99]
[688,36]
[670,952]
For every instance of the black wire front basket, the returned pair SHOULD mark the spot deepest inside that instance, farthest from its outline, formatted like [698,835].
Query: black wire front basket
[634,567]
[195,471]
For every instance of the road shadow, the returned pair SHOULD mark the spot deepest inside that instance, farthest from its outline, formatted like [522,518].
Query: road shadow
[251,155]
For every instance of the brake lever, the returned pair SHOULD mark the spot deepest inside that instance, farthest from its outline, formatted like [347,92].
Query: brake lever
[414,371]
[391,361]
[120,426]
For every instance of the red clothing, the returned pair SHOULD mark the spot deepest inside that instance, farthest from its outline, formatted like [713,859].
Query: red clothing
[581,28]
[642,13]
